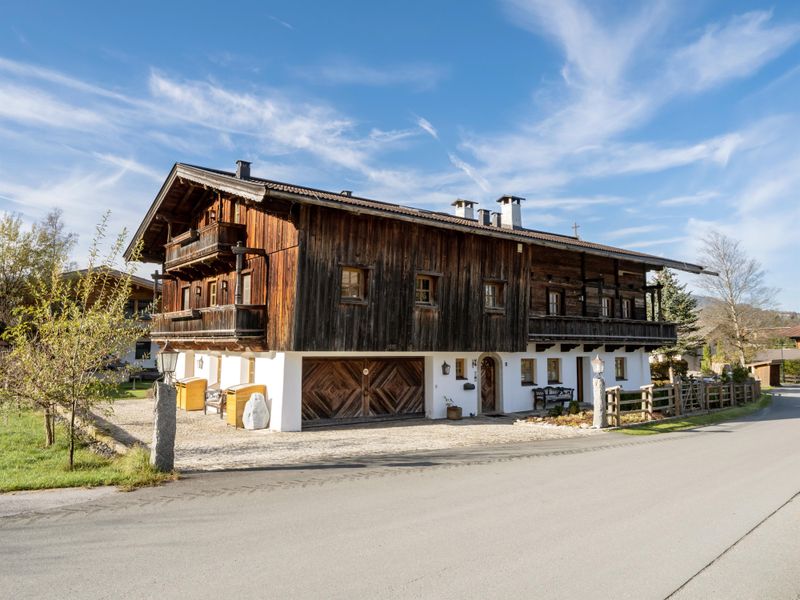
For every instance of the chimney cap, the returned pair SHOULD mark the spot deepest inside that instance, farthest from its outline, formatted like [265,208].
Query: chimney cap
[242,169]
[505,199]
[462,202]
[347,193]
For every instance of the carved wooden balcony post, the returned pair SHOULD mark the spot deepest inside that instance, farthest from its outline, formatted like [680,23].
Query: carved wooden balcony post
[238,250]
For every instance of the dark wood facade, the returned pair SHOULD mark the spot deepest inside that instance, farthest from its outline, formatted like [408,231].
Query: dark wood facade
[298,251]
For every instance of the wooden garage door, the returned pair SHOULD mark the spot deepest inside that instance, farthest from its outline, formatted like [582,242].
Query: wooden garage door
[356,388]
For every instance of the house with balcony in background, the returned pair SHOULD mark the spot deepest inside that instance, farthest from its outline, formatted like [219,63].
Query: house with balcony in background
[351,308]
[142,356]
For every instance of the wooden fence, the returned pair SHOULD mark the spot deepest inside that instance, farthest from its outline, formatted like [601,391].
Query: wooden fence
[678,398]
[792,379]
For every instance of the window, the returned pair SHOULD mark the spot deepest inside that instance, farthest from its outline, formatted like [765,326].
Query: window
[606,306]
[143,350]
[425,290]
[553,370]
[247,289]
[493,295]
[620,368]
[528,371]
[130,309]
[555,302]
[626,308]
[212,293]
[461,369]
[353,284]
[186,297]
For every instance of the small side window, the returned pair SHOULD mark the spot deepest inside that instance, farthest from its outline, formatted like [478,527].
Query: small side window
[528,371]
[353,284]
[461,371]
[425,291]
[553,370]
[493,293]
[620,368]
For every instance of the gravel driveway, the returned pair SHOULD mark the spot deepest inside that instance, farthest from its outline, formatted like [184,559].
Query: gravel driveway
[205,442]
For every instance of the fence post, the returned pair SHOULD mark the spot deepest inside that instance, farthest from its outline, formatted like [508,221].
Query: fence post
[676,391]
[733,394]
[647,395]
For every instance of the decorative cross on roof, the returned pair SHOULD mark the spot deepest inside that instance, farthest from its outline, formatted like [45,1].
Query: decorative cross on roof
[575,228]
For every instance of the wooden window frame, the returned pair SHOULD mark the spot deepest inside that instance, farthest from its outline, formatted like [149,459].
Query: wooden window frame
[610,313]
[362,298]
[461,368]
[560,376]
[500,306]
[433,291]
[627,308]
[621,360]
[532,373]
[561,302]
[213,293]
[187,305]
[247,300]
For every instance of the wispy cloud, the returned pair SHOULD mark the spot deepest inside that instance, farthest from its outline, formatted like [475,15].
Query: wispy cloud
[689,199]
[469,171]
[426,126]
[280,22]
[418,76]
[628,231]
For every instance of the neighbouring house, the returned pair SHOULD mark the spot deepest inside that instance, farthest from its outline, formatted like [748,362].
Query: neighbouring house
[346,307]
[767,365]
[140,306]
[793,333]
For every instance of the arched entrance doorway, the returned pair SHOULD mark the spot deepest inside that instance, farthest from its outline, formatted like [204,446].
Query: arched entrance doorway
[488,384]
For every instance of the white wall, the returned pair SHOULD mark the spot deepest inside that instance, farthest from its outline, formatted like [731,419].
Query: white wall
[232,370]
[439,385]
[281,373]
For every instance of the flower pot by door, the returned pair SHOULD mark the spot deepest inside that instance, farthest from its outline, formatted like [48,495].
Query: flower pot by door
[454,413]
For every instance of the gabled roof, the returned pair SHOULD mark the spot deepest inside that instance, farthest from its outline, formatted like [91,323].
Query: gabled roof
[135,279]
[262,190]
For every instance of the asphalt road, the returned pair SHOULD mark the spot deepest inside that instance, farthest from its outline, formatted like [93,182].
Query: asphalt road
[712,513]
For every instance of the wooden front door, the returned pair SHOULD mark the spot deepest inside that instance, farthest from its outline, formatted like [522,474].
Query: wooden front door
[488,385]
[358,388]
[579,372]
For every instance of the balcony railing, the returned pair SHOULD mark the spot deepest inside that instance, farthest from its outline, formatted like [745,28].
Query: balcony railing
[232,322]
[598,329]
[198,247]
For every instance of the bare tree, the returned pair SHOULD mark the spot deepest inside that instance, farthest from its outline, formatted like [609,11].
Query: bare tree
[739,290]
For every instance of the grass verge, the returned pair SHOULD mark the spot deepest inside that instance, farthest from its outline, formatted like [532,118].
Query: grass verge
[126,390]
[25,464]
[698,420]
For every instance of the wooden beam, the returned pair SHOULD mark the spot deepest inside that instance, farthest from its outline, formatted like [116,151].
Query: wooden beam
[632,347]
[591,347]
[568,347]
[543,347]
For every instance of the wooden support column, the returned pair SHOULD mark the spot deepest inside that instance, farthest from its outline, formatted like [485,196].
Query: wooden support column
[583,284]
[658,295]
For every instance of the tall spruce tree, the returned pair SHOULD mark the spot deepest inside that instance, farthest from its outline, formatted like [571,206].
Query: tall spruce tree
[679,307]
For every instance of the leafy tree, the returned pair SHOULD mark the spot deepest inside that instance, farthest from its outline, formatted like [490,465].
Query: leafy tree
[28,255]
[680,307]
[64,342]
[706,364]
[739,291]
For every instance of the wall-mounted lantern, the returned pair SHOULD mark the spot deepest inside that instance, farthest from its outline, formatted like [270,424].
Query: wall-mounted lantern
[197,291]
[200,363]
[445,368]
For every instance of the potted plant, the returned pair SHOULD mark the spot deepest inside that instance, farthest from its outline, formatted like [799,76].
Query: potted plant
[453,411]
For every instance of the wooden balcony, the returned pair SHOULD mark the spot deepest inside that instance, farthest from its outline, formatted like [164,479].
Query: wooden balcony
[205,250]
[232,324]
[600,330]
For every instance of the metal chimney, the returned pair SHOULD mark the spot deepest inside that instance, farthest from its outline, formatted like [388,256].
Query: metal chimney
[464,208]
[242,169]
[511,211]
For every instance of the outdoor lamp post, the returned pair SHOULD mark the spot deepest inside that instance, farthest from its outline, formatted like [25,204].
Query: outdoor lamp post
[599,392]
[166,362]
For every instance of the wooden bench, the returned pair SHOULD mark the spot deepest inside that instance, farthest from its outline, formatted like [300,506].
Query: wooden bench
[552,394]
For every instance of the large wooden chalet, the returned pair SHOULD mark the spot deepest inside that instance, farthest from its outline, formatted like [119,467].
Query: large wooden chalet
[346,307]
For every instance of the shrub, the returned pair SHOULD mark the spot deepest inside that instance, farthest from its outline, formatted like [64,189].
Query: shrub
[556,411]
[659,370]
[791,367]
[574,407]
[740,374]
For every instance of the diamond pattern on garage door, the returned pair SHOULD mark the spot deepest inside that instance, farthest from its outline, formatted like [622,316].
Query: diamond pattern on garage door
[339,389]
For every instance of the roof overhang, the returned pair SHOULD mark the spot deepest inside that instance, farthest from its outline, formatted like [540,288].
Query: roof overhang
[259,191]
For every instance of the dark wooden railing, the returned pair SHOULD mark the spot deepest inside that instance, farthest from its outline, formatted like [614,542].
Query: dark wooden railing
[559,328]
[232,321]
[205,243]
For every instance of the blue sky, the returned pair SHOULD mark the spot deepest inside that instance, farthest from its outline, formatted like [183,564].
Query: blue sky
[645,123]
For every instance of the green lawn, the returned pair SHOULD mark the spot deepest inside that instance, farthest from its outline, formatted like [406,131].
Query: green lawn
[25,464]
[699,420]
[125,390]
